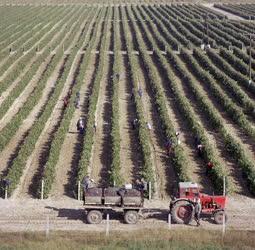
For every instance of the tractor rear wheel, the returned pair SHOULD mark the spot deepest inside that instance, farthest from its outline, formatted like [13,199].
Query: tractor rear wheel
[131,217]
[182,212]
[218,217]
[94,217]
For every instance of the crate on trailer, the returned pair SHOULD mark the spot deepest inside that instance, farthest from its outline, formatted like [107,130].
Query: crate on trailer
[133,197]
[93,196]
[111,196]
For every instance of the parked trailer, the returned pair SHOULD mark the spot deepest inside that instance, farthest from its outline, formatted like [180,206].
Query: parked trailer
[100,201]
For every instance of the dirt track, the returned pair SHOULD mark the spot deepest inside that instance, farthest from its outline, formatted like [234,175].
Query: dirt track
[229,15]
[68,215]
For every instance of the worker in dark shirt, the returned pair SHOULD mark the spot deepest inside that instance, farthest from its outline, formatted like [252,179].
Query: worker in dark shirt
[197,210]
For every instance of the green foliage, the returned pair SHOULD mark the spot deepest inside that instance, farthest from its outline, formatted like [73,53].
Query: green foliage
[115,175]
[234,112]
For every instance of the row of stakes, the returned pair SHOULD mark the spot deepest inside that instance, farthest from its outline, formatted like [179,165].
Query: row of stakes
[178,49]
[7,183]
[37,49]
[79,190]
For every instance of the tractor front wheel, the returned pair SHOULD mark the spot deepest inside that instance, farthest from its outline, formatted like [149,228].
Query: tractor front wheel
[182,212]
[94,217]
[219,216]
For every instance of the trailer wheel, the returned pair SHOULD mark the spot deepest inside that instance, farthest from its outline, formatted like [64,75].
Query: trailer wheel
[131,217]
[182,212]
[94,217]
[218,217]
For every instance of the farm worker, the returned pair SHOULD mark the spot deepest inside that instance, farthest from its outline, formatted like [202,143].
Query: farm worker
[202,46]
[116,76]
[197,140]
[149,126]
[80,126]
[6,183]
[200,150]
[78,94]
[121,192]
[145,184]
[140,92]
[177,134]
[87,182]
[69,94]
[132,96]
[169,145]
[199,146]
[197,210]
[77,100]
[209,167]
[134,123]
[66,102]
[139,185]
[95,126]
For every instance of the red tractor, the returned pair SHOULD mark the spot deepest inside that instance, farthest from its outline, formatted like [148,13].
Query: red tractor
[182,208]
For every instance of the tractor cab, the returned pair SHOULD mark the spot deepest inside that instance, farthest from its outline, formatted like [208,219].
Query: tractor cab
[188,190]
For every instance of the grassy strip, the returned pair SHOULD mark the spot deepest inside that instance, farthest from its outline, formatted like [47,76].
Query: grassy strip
[154,238]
